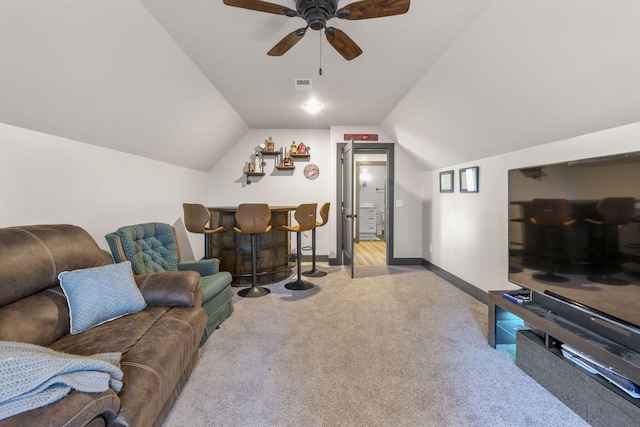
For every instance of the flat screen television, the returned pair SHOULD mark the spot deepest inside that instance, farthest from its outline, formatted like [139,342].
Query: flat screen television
[574,233]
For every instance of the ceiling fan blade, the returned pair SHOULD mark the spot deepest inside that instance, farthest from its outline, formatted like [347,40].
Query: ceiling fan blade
[343,43]
[366,9]
[287,42]
[260,6]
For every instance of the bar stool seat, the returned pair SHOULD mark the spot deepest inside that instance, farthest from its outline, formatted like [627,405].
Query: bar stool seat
[305,215]
[197,219]
[253,219]
[324,214]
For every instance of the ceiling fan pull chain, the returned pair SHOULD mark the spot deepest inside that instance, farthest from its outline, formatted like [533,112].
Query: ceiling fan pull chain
[320,38]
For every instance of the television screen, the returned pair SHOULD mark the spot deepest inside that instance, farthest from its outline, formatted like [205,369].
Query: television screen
[574,231]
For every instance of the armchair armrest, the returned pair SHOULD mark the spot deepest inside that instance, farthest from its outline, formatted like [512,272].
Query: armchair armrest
[115,244]
[171,289]
[206,267]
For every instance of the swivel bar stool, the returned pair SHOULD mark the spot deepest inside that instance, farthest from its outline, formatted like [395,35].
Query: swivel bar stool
[551,215]
[305,215]
[253,219]
[196,219]
[324,214]
[611,213]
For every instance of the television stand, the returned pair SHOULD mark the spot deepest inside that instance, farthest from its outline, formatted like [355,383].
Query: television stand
[538,354]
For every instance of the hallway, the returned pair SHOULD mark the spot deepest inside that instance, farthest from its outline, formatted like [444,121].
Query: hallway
[370,253]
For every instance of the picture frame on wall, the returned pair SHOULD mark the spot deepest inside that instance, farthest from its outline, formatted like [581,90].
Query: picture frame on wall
[446,182]
[469,180]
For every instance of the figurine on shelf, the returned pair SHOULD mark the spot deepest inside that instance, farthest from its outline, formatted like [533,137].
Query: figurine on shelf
[302,149]
[249,167]
[271,145]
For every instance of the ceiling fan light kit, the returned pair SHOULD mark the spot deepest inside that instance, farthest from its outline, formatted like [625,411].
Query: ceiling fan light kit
[317,12]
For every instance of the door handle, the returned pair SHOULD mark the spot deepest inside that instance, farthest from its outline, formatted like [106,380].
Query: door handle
[352,216]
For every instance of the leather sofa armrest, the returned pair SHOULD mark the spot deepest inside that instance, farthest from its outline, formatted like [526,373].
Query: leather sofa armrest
[206,267]
[74,410]
[171,289]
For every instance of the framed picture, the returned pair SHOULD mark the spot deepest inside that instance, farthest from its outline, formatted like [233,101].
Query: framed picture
[446,182]
[469,180]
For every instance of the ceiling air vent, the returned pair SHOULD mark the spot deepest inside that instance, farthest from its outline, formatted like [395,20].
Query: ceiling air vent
[302,84]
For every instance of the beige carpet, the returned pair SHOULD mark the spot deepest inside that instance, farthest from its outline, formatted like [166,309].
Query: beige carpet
[397,346]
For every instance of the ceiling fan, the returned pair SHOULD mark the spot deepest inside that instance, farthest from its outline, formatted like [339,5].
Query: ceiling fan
[318,12]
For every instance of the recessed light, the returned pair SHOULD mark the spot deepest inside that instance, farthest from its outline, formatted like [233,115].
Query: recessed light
[312,106]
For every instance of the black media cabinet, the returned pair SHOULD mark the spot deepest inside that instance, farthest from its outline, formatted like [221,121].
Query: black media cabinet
[538,354]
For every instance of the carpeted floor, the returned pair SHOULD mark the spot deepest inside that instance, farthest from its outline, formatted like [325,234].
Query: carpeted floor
[397,346]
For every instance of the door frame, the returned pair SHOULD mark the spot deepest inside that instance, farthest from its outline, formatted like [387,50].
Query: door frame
[363,147]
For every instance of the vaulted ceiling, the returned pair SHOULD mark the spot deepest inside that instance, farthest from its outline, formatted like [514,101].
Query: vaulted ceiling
[182,81]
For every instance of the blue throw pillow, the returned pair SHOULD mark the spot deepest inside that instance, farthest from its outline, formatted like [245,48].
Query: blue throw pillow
[100,294]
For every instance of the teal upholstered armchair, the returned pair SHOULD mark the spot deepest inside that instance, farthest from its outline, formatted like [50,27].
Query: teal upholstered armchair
[154,247]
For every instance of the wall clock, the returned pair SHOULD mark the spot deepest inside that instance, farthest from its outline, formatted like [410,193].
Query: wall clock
[311,171]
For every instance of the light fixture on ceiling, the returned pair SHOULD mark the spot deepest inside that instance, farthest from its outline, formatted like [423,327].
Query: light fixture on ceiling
[364,177]
[312,106]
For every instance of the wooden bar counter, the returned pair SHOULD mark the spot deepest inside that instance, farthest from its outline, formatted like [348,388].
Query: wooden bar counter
[234,249]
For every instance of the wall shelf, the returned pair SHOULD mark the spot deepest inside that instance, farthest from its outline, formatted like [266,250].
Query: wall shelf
[303,157]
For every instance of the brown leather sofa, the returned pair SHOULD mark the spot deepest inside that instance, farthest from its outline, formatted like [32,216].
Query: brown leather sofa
[159,344]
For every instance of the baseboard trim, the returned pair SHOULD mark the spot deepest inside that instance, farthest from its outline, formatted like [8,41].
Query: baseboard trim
[319,258]
[467,287]
[406,261]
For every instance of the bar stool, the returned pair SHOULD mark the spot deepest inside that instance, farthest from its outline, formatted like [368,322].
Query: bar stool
[324,214]
[253,219]
[611,213]
[551,215]
[196,219]
[305,215]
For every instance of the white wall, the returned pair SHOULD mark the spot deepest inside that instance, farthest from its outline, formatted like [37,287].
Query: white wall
[227,182]
[524,73]
[107,73]
[469,232]
[48,180]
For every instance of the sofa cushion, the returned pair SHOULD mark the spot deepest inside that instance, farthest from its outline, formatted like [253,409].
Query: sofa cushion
[100,294]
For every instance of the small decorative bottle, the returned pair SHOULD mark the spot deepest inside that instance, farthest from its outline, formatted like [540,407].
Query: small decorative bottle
[271,145]
[294,148]
[286,160]
[257,162]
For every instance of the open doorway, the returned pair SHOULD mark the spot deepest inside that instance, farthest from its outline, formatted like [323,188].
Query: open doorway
[369,187]
[370,245]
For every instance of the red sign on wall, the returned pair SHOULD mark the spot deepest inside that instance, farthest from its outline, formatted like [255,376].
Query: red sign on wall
[361,136]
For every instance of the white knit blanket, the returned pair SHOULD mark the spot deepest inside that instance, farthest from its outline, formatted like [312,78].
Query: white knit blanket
[32,376]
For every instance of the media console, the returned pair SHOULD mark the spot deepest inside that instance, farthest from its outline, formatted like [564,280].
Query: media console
[539,332]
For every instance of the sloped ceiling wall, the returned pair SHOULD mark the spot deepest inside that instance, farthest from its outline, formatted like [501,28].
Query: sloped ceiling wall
[106,73]
[525,73]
